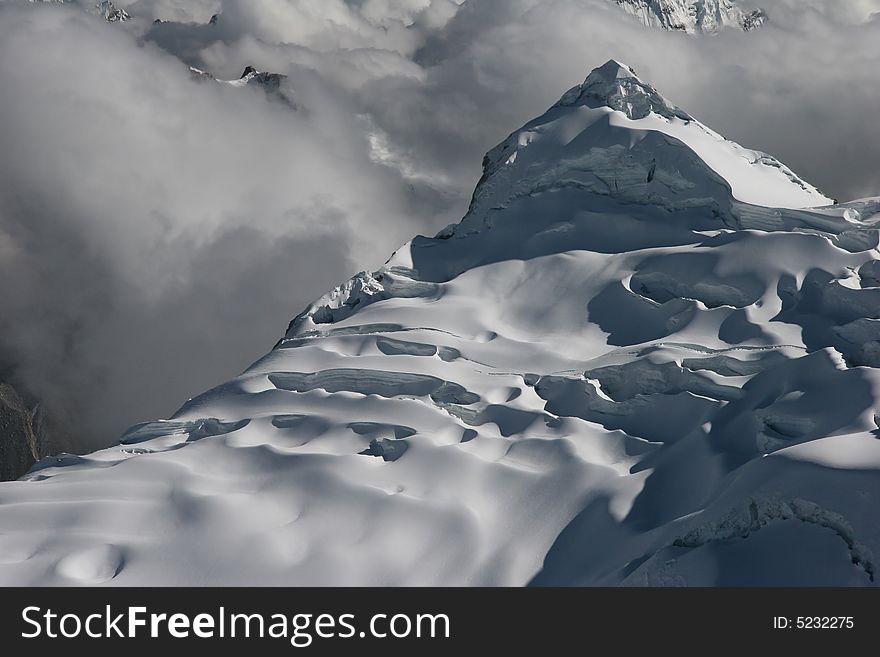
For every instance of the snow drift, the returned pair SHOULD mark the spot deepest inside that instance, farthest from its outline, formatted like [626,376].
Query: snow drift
[646,356]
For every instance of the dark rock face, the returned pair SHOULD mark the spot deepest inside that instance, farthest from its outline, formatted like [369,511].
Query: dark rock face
[269,81]
[22,434]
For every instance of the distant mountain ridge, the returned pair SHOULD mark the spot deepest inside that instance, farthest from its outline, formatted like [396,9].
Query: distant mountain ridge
[694,16]
[103,8]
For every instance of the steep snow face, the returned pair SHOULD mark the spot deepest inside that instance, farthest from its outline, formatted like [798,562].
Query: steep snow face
[619,369]
[693,16]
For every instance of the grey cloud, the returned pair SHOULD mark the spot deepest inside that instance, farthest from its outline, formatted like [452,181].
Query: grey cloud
[156,233]
[833,11]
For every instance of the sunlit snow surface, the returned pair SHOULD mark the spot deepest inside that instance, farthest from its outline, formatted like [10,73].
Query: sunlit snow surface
[641,359]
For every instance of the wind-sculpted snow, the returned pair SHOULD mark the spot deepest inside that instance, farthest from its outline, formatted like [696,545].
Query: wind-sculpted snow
[647,356]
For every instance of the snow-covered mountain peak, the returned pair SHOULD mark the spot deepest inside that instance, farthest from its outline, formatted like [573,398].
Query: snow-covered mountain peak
[611,70]
[617,86]
[642,358]
[616,136]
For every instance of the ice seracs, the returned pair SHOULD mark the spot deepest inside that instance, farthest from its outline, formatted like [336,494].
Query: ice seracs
[646,356]
[693,16]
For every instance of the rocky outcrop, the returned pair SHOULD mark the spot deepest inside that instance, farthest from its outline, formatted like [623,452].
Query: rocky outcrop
[22,434]
[111,13]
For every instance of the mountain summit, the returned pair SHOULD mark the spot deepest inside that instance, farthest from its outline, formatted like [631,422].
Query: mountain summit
[647,355]
[615,135]
[617,86]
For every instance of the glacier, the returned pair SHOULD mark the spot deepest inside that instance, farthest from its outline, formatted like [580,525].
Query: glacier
[647,356]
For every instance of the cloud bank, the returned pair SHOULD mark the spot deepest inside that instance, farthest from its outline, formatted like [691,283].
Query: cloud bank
[157,232]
